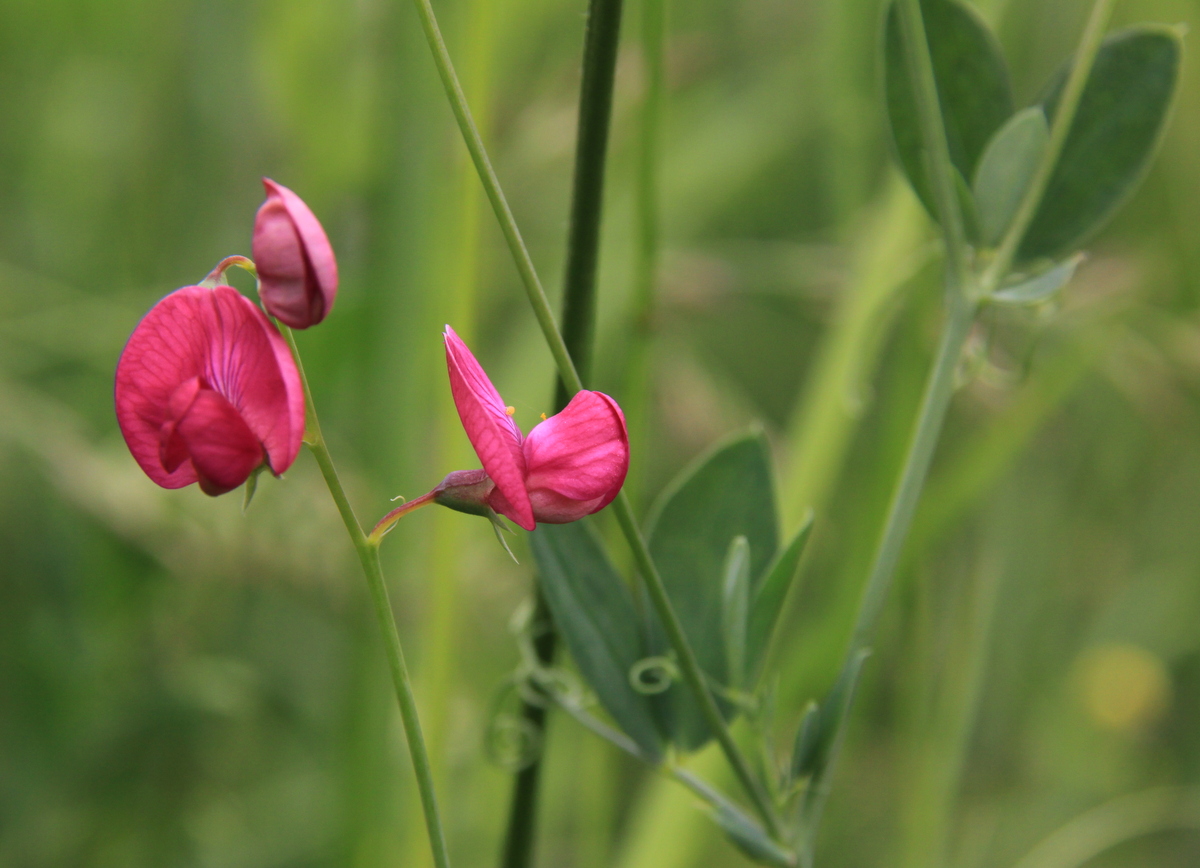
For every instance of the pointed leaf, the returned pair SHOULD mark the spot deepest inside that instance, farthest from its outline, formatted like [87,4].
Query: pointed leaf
[1005,170]
[595,614]
[1031,290]
[751,839]
[1117,126]
[772,594]
[832,716]
[727,493]
[804,749]
[973,89]
[735,610]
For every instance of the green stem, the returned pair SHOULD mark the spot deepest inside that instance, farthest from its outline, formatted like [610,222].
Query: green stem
[570,379]
[690,667]
[1064,116]
[367,549]
[939,388]
[491,186]
[578,330]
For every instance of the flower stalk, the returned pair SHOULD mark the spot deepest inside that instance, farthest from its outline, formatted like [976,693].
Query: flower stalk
[367,549]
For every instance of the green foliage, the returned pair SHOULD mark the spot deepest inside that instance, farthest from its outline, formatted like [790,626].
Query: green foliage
[973,86]
[595,614]
[726,494]
[1116,128]
[735,610]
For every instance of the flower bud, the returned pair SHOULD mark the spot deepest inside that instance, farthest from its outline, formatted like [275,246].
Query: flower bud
[297,271]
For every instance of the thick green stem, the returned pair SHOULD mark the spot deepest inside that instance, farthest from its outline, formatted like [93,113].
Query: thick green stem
[368,556]
[570,379]
[578,330]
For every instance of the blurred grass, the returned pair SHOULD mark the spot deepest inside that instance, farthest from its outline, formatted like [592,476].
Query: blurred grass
[182,685]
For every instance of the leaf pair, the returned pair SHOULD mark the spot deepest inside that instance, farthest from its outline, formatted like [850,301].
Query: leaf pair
[995,151]
[714,540]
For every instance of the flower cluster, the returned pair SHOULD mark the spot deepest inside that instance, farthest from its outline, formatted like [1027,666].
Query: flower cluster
[207,391]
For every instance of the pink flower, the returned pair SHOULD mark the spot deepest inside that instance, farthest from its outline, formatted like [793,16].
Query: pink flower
[297,272]
[571,465]
[207,391]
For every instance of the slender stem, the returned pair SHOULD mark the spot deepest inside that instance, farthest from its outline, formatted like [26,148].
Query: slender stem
[578,330]
[938,390]
[570,378]
[491,186]
[941,170]
[690,667]
[368,556]
[1064,116]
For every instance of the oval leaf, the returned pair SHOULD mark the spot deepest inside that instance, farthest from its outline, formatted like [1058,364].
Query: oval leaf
[1005,170]
[1116,128]
[973,89]
[595,613]
[727,493]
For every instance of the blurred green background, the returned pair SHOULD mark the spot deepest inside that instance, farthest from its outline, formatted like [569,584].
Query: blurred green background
[184,685]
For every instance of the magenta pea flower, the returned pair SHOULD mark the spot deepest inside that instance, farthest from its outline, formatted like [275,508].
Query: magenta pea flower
[207,391]
[297,271]
[571,465]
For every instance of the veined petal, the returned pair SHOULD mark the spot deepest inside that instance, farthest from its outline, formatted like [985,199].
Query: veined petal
[492,432]
[224,342]
[577,460]
[223,449]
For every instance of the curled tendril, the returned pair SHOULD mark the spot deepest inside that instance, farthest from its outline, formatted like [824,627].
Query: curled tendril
[652,675]
[512,742]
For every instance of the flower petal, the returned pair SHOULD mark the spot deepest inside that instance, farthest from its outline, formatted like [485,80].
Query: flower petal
[295,261]
[492,432]
[223,449]
[577,460]
[221,339]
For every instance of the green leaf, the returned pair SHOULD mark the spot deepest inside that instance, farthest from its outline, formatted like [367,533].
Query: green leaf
[832,716]
[735,610]
[973,89]
[804,749]
[751,839]
[1117,126]
[772,594]
[725,494]
[595,613]
[1031,290]
[1005,170]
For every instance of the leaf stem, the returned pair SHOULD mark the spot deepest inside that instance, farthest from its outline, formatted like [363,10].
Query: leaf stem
[367,549]
[1064,116]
